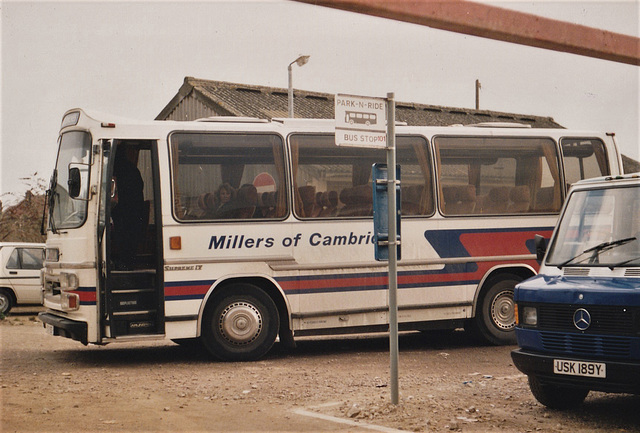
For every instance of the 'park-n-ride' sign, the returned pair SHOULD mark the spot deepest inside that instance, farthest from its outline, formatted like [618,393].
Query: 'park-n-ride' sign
[361,121]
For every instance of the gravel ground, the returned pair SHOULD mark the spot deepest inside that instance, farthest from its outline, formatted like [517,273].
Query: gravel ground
[447,383]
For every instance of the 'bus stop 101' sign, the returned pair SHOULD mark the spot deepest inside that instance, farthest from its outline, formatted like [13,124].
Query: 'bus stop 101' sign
[361,121]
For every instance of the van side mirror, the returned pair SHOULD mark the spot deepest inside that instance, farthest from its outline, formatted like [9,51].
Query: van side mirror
[73,183]
[541,247]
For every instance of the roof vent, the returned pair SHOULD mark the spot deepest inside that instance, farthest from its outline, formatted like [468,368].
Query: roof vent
[232,119]
[499,125]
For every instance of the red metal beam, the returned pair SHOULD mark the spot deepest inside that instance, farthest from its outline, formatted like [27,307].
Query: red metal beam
[492,22]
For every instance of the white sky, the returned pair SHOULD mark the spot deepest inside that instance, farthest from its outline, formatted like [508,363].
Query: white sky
[130,59]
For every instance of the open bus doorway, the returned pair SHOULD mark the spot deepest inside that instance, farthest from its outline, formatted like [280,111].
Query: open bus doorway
[132,290]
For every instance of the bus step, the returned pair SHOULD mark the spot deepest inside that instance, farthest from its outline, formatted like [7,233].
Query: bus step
[132,313]
[133,300]
[128,291]
[132,280]
[134,326]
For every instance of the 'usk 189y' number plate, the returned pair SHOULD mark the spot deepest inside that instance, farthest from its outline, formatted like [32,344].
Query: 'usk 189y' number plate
[580,368]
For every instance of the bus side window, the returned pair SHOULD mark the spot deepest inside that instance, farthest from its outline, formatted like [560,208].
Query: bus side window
[228,176]
[583,158]
[498,175]
[332,181]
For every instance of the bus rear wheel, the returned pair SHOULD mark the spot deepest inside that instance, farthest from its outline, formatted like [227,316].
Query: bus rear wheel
[495,319]
[240,323]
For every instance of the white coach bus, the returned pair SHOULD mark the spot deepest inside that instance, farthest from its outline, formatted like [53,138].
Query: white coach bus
[238,231]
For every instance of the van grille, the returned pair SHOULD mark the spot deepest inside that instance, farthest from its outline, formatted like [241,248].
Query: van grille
[590,345]
[616,320]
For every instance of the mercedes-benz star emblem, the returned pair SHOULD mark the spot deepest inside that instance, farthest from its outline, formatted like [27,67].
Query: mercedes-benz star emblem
[582,319]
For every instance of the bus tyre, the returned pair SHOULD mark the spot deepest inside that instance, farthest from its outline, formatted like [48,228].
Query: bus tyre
[495,319]
[188,343]
[240,323]
[6,301]
[557,397]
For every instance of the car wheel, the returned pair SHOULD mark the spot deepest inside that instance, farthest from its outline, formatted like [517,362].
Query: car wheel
[6,301]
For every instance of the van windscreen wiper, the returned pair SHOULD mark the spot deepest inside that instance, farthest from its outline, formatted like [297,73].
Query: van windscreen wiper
[604,246]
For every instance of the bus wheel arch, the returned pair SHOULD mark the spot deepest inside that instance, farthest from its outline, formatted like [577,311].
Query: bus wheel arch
[494,309]
[242,318]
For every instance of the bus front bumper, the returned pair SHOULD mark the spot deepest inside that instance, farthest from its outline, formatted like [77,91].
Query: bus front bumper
[621,377]
[63,327]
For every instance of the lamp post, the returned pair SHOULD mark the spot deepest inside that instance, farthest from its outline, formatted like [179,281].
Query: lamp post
[300,61]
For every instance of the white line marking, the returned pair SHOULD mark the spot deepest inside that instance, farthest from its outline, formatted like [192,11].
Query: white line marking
[305,412]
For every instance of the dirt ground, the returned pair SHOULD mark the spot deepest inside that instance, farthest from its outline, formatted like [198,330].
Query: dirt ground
[447,383]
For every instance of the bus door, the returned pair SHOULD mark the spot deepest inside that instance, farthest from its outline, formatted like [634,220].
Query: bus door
[131,276]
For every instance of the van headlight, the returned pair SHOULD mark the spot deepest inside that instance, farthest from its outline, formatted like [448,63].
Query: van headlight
[529,316]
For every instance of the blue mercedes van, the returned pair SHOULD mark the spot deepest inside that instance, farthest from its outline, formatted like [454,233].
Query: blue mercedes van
[578,320]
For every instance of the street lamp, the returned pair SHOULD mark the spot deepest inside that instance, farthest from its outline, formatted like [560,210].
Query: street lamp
[300,61]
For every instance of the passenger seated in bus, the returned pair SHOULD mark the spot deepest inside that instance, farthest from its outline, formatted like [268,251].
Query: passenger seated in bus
[246,202]
[308,197]
[206,205]
[358,201]
[520,199]
[266,205]
[329,203]
[224,197]
[128,215]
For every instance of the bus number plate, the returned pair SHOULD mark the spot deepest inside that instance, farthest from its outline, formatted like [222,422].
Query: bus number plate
[579,368]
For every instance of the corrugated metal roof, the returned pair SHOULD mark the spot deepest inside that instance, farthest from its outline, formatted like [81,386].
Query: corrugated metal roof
[215,98]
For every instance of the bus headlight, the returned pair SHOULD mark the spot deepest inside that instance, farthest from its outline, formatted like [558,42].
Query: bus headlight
[52,255]
[68,281]
[529,316]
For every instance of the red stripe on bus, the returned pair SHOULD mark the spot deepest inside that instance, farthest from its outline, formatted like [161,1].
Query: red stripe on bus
[186,290]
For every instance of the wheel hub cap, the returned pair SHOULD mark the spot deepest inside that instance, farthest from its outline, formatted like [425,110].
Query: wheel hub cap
[503,311]
[240,323]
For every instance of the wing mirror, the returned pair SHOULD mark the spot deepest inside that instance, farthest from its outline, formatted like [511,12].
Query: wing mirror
[541,247]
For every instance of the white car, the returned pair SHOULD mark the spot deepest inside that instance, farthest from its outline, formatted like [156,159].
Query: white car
[20,265]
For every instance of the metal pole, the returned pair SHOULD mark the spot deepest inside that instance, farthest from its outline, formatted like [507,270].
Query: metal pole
[478,87]
[393,246]
[290,90]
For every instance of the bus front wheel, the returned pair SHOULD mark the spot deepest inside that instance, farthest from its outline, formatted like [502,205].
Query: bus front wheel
[495,319]
[240,324]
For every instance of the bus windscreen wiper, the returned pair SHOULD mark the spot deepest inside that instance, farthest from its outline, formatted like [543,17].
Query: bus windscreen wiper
[52,201]
[604,246]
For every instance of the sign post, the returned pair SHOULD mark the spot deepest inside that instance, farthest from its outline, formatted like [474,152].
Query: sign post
[370,122]
[393,246]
